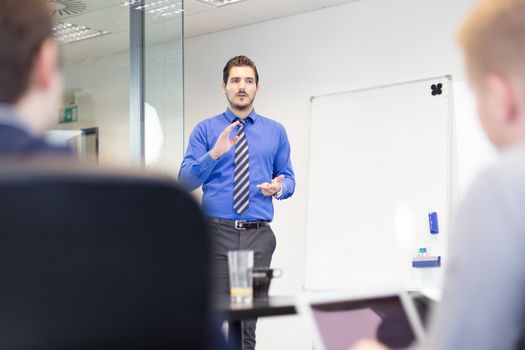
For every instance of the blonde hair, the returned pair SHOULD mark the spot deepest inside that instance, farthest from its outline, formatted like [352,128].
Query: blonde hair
[493,38]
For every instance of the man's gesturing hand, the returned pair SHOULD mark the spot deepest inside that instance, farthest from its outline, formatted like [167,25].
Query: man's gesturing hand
[224,143]
[269,189]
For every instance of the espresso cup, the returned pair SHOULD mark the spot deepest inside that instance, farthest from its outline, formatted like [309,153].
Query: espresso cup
[262,277]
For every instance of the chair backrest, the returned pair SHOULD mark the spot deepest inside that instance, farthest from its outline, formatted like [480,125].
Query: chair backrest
[100,261]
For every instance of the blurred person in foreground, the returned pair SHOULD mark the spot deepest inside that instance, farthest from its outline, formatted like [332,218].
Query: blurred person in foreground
[483,303]
[31,87]
[30,79]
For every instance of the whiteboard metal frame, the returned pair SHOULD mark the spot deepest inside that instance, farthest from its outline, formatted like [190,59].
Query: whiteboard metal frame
[448,77]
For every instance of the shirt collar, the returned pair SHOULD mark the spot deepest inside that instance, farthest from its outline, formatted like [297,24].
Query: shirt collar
[232,117]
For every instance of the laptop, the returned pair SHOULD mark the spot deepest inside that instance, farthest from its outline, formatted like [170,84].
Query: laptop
[339,321]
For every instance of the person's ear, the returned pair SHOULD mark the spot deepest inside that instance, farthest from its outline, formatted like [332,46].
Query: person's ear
[45,65]
[257,89]
[223,87]
[503,98]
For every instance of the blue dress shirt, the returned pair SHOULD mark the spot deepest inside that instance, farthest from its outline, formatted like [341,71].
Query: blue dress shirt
[269,157]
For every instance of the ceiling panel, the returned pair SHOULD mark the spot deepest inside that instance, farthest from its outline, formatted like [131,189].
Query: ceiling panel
[270,9]
[214,21]
[328,3]
[192,7]
[113,19]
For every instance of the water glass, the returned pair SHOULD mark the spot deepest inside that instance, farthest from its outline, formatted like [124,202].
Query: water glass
[240,263]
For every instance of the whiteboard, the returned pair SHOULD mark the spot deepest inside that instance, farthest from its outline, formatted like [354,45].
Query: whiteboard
[380,162]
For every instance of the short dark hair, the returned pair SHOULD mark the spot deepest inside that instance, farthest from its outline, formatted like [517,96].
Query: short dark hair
[239,61]
[24,26]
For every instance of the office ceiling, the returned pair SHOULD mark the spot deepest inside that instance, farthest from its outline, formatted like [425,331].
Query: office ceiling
[112,16]
[202,19]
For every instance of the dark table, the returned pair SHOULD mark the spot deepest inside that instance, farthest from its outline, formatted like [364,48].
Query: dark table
[235,313]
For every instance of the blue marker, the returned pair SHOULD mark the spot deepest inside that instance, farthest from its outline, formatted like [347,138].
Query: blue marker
[433,222]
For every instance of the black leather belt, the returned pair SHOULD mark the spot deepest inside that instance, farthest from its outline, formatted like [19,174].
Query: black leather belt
[239,224]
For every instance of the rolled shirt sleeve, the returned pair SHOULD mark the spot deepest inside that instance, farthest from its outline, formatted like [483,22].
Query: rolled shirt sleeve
[283,166]
[197,164]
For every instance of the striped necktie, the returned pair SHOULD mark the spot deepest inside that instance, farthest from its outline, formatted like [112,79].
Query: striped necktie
[241,174]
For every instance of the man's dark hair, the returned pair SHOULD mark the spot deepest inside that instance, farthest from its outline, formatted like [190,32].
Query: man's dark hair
[239,61]
[24,26]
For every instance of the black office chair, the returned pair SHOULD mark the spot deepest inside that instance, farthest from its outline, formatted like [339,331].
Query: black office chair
[100,261]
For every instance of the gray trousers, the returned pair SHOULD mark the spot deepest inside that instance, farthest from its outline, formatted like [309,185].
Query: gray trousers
[224,238]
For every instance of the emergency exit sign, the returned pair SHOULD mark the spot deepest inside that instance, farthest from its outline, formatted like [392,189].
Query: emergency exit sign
[68,115]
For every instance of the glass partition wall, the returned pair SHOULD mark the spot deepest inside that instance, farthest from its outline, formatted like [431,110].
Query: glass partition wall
[123,69]
[164,107]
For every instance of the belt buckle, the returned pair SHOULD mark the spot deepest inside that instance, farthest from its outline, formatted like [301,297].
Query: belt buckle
[237,222]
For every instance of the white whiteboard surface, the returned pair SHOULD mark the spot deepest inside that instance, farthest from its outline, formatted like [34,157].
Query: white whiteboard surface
[379,164]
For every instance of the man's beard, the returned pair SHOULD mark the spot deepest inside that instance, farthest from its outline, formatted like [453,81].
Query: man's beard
[241,107]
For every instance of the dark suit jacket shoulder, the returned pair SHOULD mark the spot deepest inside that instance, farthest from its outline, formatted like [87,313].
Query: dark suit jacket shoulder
[15,142]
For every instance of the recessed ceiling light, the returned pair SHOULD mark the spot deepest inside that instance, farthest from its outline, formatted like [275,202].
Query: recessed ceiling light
[67,7]
[67,33]
[218,3]
[162,8]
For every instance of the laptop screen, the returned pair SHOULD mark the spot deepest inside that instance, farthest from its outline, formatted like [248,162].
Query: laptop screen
[342,323]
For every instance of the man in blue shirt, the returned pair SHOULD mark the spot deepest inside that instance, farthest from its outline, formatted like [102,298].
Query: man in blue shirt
[242,161]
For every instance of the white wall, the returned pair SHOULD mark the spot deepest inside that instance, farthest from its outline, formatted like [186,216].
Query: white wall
[362,44]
